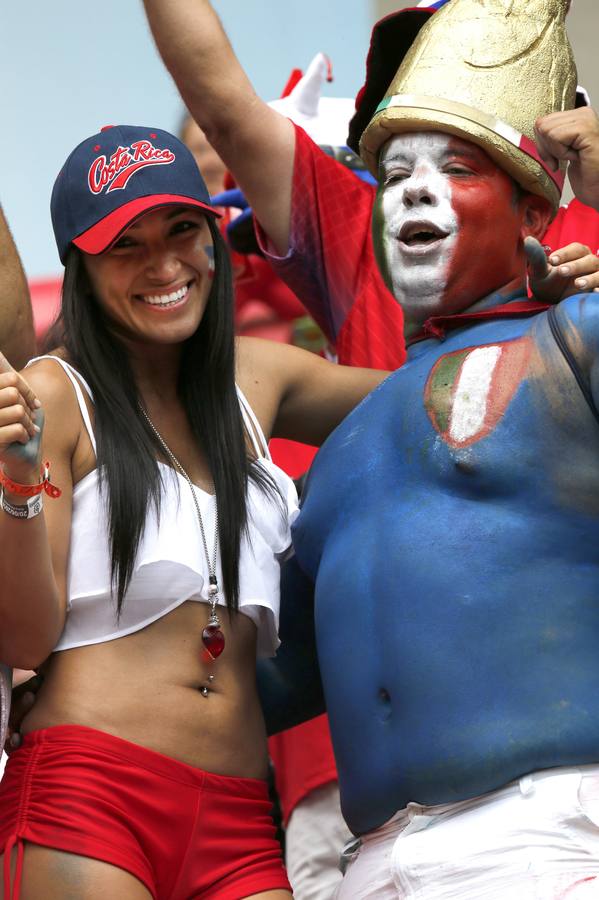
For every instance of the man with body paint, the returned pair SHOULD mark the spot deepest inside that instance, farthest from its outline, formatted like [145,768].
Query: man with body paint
[450,525]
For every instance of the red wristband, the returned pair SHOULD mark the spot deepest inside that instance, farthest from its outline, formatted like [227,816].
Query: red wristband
[31,490]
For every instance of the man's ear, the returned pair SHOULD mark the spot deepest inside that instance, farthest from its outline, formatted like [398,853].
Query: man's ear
[536,216]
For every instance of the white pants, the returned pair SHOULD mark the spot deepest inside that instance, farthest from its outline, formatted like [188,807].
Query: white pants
[536,839]
[314,839]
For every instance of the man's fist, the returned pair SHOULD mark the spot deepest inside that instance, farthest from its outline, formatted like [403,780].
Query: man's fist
[573,136]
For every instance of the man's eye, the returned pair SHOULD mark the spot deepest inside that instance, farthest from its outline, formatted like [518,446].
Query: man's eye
[458,170]
[395,178]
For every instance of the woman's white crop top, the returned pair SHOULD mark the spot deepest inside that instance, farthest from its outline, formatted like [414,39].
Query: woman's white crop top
[171,567]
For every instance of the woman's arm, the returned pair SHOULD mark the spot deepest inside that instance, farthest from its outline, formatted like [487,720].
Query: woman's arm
[297,394]
[33,562]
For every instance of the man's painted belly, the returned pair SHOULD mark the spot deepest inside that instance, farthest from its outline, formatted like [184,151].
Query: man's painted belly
[457,584]
[457,676]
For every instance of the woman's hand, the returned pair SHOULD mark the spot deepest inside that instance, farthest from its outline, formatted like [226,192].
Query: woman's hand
[572,270]
[21,422]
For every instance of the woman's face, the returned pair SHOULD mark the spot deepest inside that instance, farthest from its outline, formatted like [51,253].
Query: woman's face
[153,283]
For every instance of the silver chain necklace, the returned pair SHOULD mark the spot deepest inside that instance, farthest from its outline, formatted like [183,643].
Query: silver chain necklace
[212,636]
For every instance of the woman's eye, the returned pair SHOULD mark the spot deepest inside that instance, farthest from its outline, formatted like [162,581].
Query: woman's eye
[184,226]
[123,243]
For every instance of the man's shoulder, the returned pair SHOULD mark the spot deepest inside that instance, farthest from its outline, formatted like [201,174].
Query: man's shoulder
[579,315]
[574,324]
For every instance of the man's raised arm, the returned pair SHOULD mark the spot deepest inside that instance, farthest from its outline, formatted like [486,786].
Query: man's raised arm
[17,339]
[255,142]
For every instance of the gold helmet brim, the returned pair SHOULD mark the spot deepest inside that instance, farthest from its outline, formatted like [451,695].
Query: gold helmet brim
[513,152]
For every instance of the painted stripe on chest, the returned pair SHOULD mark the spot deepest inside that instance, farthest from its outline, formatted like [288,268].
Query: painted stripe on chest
[468,391]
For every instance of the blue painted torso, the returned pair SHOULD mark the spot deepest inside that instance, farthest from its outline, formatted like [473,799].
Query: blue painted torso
[451,526]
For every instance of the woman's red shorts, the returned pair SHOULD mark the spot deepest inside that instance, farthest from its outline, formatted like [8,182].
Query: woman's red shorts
[184,833]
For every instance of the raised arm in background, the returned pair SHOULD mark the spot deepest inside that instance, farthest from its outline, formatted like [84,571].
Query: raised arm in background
[17,339]
[256,143]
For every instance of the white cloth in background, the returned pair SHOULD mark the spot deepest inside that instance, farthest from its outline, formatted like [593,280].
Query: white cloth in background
[5,692]
[535,839]
[314,838]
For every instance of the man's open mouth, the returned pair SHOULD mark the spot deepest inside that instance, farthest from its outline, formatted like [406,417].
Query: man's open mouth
[421,235]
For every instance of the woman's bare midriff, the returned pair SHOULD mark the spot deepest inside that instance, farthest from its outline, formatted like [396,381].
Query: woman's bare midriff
[146,688]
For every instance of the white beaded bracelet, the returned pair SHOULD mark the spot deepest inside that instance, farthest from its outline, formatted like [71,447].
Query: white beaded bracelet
[28,510]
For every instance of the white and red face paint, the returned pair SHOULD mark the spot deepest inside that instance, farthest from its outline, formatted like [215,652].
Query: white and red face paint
[446,225]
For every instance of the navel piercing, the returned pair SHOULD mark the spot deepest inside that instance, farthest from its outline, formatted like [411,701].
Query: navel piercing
[204,689]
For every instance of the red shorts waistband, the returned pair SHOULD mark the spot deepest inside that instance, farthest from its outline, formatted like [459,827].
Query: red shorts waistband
[93,739]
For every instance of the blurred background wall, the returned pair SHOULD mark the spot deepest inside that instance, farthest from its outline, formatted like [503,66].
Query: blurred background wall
[69,67]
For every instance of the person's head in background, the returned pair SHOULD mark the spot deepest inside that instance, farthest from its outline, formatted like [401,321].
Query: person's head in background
[209,162]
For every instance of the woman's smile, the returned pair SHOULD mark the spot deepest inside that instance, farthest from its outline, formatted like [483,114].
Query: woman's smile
[164,301]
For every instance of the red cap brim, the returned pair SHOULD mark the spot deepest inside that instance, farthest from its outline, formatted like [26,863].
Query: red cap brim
[100,236]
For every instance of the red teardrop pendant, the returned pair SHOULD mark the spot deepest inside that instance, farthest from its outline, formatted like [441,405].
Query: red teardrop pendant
[213,640]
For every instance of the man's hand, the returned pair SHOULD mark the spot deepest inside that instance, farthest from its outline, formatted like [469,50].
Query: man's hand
[23,699]
[568,271]
[573,136]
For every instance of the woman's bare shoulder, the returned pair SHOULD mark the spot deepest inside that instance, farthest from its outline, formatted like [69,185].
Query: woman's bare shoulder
[53,388]
[46,374]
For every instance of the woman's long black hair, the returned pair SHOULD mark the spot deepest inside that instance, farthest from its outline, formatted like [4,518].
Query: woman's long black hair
[127,447]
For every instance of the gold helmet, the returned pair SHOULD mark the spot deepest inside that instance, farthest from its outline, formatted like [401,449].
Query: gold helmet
[484,70]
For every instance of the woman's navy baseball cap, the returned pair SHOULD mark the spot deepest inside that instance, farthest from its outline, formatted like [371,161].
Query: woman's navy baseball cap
[114,177]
